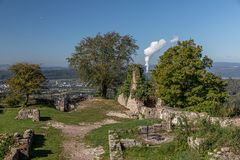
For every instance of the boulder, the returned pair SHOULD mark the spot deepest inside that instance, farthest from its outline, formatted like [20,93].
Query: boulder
[29,113]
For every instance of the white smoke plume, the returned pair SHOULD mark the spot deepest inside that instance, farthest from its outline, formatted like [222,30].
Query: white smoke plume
[174,40]
[153,48]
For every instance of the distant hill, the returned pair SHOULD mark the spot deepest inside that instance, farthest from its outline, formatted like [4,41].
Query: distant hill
[226,69]
[49,72]
[223,69]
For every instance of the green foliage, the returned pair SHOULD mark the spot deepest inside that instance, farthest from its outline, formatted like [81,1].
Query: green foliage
[181,79]
[214,135]
[5,142]
[102,61]
[12,100]
[26,80]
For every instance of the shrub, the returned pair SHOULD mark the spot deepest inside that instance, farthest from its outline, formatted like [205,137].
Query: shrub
[5,142]
[12,100]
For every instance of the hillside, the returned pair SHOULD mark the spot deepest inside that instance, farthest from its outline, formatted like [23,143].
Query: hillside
[49,72]
[223,69]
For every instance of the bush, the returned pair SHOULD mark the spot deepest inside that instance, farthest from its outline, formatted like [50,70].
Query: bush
[5,142]
[12,100]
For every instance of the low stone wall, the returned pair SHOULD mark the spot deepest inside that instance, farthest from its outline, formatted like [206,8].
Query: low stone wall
[195,143]
[176,116]
[27,113]
[223,154]
[22,146]
[146,133]
[67,103]
[115,148]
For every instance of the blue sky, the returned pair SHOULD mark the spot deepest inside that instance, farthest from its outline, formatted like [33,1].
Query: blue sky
[46,31]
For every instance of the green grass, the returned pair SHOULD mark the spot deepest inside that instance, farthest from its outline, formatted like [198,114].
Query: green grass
[167,151]
[48,143]
[99,136]
[94,111]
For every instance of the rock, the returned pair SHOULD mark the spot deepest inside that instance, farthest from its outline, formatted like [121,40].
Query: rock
[115,148]
[15,135]
[28,133]
[21,149]
[122,100]
[194,143]
[129,143]
[28,113]
[36,115]
[225,149]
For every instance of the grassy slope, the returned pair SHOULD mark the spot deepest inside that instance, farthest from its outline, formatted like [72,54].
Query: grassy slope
[48,143]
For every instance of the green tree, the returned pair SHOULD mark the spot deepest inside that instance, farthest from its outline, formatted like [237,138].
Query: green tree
[181,79]
[26,79]
[102,61]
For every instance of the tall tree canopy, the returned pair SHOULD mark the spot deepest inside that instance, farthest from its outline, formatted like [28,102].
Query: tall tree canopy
[181,79]
[27,79]
[102,61]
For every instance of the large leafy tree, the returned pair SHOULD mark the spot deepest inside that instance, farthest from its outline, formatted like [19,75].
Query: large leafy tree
[26,79]
[182,80]
[102,61]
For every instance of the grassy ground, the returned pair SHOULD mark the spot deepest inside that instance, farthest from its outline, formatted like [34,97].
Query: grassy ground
[164,152]
[48,141]
[90,111]
[48,144]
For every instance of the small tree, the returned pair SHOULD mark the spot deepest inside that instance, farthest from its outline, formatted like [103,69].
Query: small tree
[181,79]
[102,61]
[27,79]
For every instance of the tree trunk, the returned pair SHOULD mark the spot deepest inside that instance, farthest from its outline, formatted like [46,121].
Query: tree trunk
[104,91]
[26,100]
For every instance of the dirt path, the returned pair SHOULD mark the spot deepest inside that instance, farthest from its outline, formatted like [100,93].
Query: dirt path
[74,148]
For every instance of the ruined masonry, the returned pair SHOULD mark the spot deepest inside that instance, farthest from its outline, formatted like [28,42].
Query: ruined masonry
[21,149]
[28,113]
[161,111]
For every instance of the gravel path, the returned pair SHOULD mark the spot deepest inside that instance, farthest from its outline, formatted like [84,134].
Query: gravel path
[74,148]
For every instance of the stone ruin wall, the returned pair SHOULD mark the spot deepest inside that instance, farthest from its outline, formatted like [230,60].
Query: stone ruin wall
[67,103]
[21,149]
[161,111]
[28,113]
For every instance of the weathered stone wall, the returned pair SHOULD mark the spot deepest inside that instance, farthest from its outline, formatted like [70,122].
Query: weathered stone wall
[223,154]
[67,103]
[130,102]
[195,143]
[122,100]
[115,148]
[22,146]
[28,113]
[160,111]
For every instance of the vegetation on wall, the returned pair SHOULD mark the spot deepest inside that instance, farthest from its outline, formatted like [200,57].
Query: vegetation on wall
[144,90]
[5,142]
[181,79]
